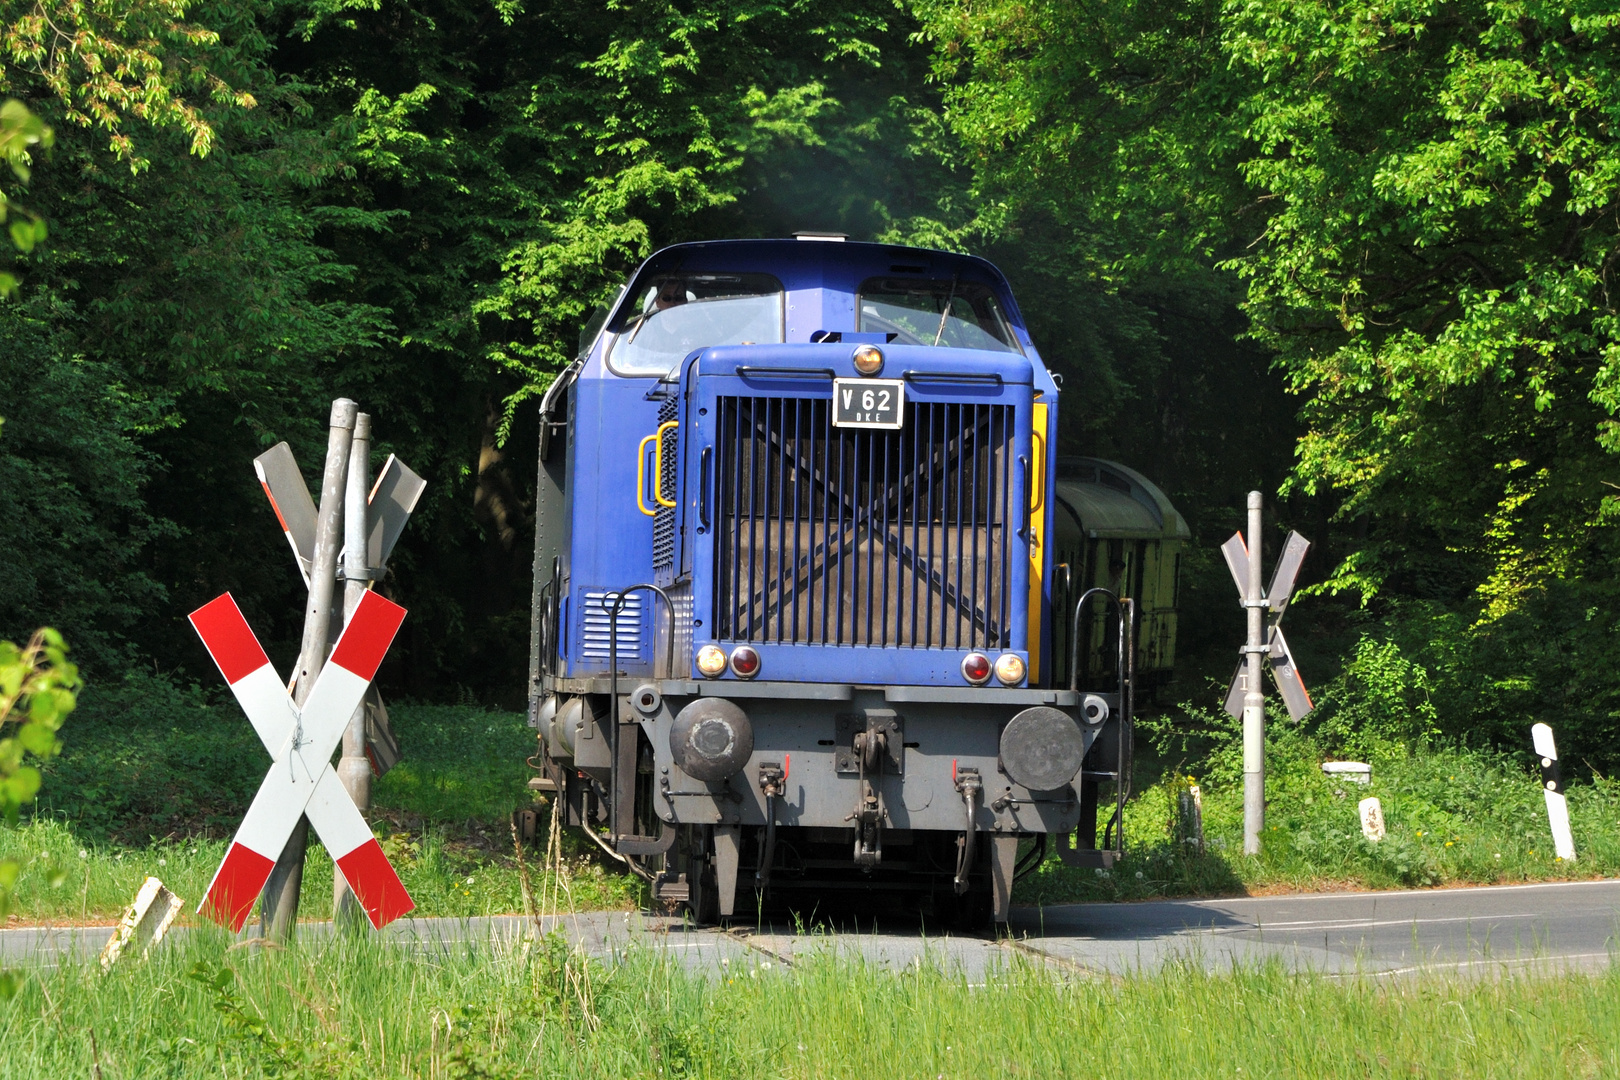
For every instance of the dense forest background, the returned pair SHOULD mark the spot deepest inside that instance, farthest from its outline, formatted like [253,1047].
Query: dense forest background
[1359,255]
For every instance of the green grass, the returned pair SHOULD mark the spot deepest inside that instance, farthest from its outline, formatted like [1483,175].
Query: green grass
[1452,815]
[153,779]
[442,878]
[357,1009]
[147,761]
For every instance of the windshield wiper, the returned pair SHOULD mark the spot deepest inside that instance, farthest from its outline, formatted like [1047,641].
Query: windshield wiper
[943,315]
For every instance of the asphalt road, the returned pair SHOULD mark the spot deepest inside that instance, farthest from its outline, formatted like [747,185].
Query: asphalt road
[1471,931]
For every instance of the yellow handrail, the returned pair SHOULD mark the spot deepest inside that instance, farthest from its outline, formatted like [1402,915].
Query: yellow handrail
[658,470]
[1038,490]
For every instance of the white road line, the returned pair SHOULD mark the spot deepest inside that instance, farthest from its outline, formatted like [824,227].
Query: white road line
[1355,924]
[1460,964]
[1389,893]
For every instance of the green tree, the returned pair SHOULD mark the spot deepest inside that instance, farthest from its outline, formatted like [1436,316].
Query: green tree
[1419,200]
[38,688]
[20,133]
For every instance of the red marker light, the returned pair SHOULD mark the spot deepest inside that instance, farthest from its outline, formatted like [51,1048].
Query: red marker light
[976,668]
[744,662]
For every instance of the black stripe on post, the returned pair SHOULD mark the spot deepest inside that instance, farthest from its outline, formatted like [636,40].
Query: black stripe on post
[1552,776]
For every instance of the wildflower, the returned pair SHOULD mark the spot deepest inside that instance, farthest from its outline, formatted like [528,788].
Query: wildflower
[469,881]
[766,966]
[83,854]
[1448,843]
[1498,854]
[1139,875]
[163,862]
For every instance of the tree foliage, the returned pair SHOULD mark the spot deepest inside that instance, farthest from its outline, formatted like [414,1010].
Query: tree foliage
[38,688]
[1419,200]
[1358,254]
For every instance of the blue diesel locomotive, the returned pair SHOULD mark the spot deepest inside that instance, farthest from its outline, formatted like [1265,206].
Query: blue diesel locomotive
[793,616]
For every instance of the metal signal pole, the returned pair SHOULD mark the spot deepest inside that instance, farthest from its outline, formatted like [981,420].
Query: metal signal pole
[1245,698]
[278,912]
[353,768]
[1254,702]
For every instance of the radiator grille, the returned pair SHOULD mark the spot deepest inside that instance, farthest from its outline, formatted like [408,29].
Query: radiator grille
[844,536]
[598,626]
[664,519]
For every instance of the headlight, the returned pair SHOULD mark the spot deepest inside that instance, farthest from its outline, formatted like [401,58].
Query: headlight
[711,661]
[1010,669]
[976,668]
[868,359]
[744,662]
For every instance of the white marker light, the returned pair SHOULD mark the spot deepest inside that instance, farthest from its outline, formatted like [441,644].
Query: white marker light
[1010,669]
[711,661]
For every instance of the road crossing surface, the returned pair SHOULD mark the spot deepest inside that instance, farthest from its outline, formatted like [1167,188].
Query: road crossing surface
[1482,931]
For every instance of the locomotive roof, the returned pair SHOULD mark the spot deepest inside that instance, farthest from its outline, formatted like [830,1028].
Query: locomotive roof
[834,266]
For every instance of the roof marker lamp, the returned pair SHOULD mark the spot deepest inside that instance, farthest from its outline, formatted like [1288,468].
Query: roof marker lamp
[868,359]
[744,662]
[711,661]
[976,668]
[1010,669]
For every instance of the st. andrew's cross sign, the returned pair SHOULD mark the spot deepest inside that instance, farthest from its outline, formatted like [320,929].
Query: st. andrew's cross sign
[301,781]
[1283,668]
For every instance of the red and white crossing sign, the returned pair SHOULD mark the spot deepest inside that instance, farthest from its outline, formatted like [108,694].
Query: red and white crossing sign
[301,781]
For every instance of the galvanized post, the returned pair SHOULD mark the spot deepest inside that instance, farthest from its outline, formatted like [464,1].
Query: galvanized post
[278,910]
[353,768]
[1254,702]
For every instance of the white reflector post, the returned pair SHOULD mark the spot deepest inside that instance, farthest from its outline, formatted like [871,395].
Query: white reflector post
[1552,786]
[1372,819]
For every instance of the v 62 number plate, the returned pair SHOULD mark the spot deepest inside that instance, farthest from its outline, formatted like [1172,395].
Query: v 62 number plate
[869,403]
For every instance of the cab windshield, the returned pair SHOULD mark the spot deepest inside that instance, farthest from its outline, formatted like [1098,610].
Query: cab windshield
[955,314]
[679,312]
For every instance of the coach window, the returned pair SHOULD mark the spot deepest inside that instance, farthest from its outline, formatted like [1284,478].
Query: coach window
[679,312]
[954,314]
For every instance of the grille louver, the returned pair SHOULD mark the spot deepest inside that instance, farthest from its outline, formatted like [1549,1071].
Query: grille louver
[842,536]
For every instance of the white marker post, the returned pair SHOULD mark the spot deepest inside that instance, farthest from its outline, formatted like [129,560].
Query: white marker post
[1552,786]
[1372,819]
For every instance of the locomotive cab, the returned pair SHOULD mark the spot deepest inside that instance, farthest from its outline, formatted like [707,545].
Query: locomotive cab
[794,619]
